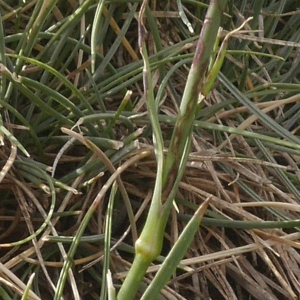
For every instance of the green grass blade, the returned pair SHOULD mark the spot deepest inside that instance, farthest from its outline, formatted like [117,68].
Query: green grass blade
[107,243]
[95,30]
[262,116]
[176,254]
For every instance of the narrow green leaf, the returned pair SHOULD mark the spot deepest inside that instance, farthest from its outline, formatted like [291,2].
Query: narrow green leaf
[176,254]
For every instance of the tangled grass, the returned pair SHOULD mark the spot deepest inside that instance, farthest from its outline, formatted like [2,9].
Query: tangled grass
[68,133]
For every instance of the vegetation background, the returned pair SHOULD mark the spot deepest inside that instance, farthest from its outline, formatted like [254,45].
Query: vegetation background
[75,114]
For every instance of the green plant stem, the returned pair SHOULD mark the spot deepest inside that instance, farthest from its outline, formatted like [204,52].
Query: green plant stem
[136,274]
[177,252]
[186,116]
[149,244]
[169,171]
